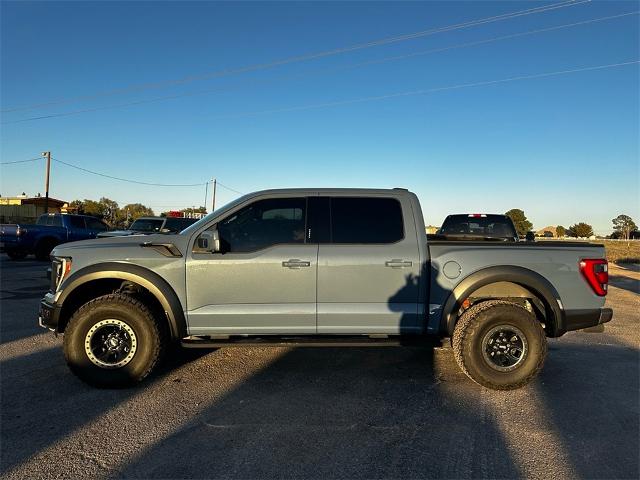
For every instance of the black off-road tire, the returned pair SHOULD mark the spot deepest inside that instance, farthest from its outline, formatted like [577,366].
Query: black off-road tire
[476,323]
[17,255]
[44,248]
[150,341]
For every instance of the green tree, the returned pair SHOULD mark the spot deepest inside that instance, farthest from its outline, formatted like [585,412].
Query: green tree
[623,225]
[520,221]
[110,211]
[132,211]
[93,208]
[77,206]
[580,230]
[105,209]
[560,231]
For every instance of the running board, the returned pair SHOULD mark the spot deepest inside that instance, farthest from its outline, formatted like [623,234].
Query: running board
[311,341]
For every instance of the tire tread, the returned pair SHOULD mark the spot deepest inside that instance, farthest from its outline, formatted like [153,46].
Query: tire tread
[129,302]
[468,325]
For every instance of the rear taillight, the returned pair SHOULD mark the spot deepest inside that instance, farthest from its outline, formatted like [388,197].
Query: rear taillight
[596,273]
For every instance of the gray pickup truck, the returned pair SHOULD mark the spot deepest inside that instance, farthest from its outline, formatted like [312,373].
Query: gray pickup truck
[319,267]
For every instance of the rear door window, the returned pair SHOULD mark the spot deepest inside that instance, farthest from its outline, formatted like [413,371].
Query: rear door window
[76,222]
[366,220]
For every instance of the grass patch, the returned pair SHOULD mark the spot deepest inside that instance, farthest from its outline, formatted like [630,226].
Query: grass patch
[622,252]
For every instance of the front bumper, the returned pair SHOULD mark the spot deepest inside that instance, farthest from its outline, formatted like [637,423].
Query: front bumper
[49,313]
[579,319]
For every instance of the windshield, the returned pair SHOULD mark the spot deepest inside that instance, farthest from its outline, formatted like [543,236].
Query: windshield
[486,226]
[177,224]
[146,225]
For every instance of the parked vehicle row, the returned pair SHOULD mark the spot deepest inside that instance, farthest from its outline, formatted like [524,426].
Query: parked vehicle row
[52,229]
[20,240]
[146,225]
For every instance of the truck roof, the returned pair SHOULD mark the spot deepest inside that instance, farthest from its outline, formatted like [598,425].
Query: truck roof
[302,191]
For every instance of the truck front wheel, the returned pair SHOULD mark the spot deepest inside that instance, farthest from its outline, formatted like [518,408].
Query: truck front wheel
[499,344]
[113,341]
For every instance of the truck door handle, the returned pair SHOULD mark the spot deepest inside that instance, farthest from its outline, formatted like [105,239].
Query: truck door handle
[397,263]
[295,263]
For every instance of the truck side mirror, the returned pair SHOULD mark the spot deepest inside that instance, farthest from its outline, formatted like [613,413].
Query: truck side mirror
[215,237]
[203,242]
[209,241]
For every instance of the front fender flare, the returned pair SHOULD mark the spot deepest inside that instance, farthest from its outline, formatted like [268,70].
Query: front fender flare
[144,277]
[529,279]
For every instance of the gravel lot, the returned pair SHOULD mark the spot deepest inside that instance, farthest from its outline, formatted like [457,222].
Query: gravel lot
[296,412]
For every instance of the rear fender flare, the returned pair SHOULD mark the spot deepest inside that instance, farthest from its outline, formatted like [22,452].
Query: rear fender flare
[528,279]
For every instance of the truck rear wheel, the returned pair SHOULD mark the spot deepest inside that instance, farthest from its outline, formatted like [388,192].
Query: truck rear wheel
[113,341]
[499,345]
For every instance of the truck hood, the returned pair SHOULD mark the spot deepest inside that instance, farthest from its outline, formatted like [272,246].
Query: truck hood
[117,233]
[122,247]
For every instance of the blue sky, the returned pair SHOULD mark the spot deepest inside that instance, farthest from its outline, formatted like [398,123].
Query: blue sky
[564,148]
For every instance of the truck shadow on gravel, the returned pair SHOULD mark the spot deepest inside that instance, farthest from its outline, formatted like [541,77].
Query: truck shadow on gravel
[404,413]
[43,406]
[326,413]
[626,283]
[354,413]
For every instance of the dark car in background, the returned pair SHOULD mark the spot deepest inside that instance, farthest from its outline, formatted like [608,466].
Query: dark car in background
[51,229]
[478,226]
[148,225]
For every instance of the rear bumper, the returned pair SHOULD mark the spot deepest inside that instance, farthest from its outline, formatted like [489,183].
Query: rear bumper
[579,319]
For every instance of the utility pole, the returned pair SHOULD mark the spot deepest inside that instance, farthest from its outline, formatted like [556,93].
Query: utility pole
[206,192]
[47,155]
[213,208]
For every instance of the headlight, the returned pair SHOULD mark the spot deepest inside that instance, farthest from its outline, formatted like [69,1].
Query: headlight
[60,268]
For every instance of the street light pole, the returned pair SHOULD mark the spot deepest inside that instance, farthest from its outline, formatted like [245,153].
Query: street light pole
[47,155]
[206,194]
[213,207]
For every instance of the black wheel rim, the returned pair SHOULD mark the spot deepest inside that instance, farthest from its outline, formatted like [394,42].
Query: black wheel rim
[504,348]
[110,343]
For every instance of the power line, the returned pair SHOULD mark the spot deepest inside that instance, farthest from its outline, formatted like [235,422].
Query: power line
[21,161]
[425,91]
[228,188]
[306,57]
[326,71]
[128,180]
[143,183]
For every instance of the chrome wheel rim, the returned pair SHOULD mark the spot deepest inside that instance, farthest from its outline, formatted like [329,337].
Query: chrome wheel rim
[110,343]
[504,348]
